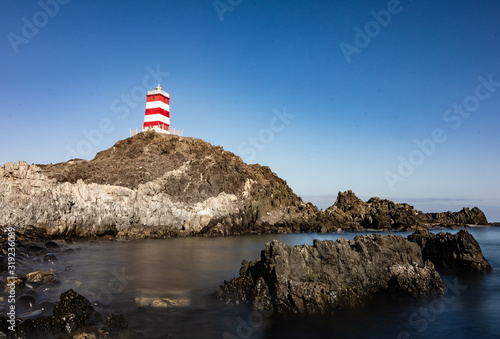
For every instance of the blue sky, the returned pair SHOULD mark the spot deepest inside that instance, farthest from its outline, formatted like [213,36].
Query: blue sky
[271,82]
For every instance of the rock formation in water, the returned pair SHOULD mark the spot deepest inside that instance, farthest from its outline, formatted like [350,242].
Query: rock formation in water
[331,275]
[466,216]
[458,252]
[74,317]
[159,185]
[384,214]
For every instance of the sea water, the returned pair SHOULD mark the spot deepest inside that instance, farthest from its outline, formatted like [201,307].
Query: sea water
[118,276]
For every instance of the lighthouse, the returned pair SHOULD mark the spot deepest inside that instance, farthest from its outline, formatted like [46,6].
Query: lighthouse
[157,115]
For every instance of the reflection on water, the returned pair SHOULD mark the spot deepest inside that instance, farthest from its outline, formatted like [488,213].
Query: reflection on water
[118,274]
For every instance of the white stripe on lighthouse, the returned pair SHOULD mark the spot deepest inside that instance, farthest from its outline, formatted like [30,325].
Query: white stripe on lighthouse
[157,117]
[157,104]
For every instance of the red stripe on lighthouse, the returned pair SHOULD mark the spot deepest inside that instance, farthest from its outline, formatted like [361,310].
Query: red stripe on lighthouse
[161,111]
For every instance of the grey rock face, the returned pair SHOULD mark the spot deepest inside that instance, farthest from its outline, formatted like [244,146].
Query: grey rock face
[465,216]
[331,275]
[384,214]
[458,252]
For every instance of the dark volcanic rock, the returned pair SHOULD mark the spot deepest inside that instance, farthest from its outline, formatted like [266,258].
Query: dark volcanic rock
[33,328]
[352,212]
[466,216]
[115,326]
[73,314]
[458,252]
[376,213]
[73,317]
[331,275]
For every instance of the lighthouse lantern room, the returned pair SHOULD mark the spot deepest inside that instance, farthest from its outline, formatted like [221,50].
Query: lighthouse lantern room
[157,115]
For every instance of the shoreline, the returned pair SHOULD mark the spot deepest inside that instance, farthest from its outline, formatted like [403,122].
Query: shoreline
[173,234]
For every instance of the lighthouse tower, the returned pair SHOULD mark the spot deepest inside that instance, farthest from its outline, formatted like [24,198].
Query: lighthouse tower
[157,115]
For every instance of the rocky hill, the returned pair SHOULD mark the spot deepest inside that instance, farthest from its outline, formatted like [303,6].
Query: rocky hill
[160,185]
[150,185]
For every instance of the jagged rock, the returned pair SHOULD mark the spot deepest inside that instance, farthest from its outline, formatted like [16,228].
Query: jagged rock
[459,252]
[466,216]
[375,213]
[73,314]
[331,275]
[384,214]
[74,317]
[33,328]
[41,277]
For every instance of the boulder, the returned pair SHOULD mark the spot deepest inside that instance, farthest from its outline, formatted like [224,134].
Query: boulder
[161,302]
[41,277]
[331,275]
[458,252]
[73,314]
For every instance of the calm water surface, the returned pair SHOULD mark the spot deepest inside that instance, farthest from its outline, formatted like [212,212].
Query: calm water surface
[116,273]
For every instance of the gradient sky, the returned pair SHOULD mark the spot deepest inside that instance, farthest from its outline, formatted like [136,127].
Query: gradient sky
[73,81]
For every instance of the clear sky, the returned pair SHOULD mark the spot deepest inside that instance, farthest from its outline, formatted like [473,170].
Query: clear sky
[392,99]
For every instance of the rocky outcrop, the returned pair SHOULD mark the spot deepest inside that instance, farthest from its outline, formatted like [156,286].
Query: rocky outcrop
[331,275]
[150,185]
[458,252]
[378,213]
[466,216]
[74,312]
[74,317]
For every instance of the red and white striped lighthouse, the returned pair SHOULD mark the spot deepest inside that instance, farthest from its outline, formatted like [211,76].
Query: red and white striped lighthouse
[157,115]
